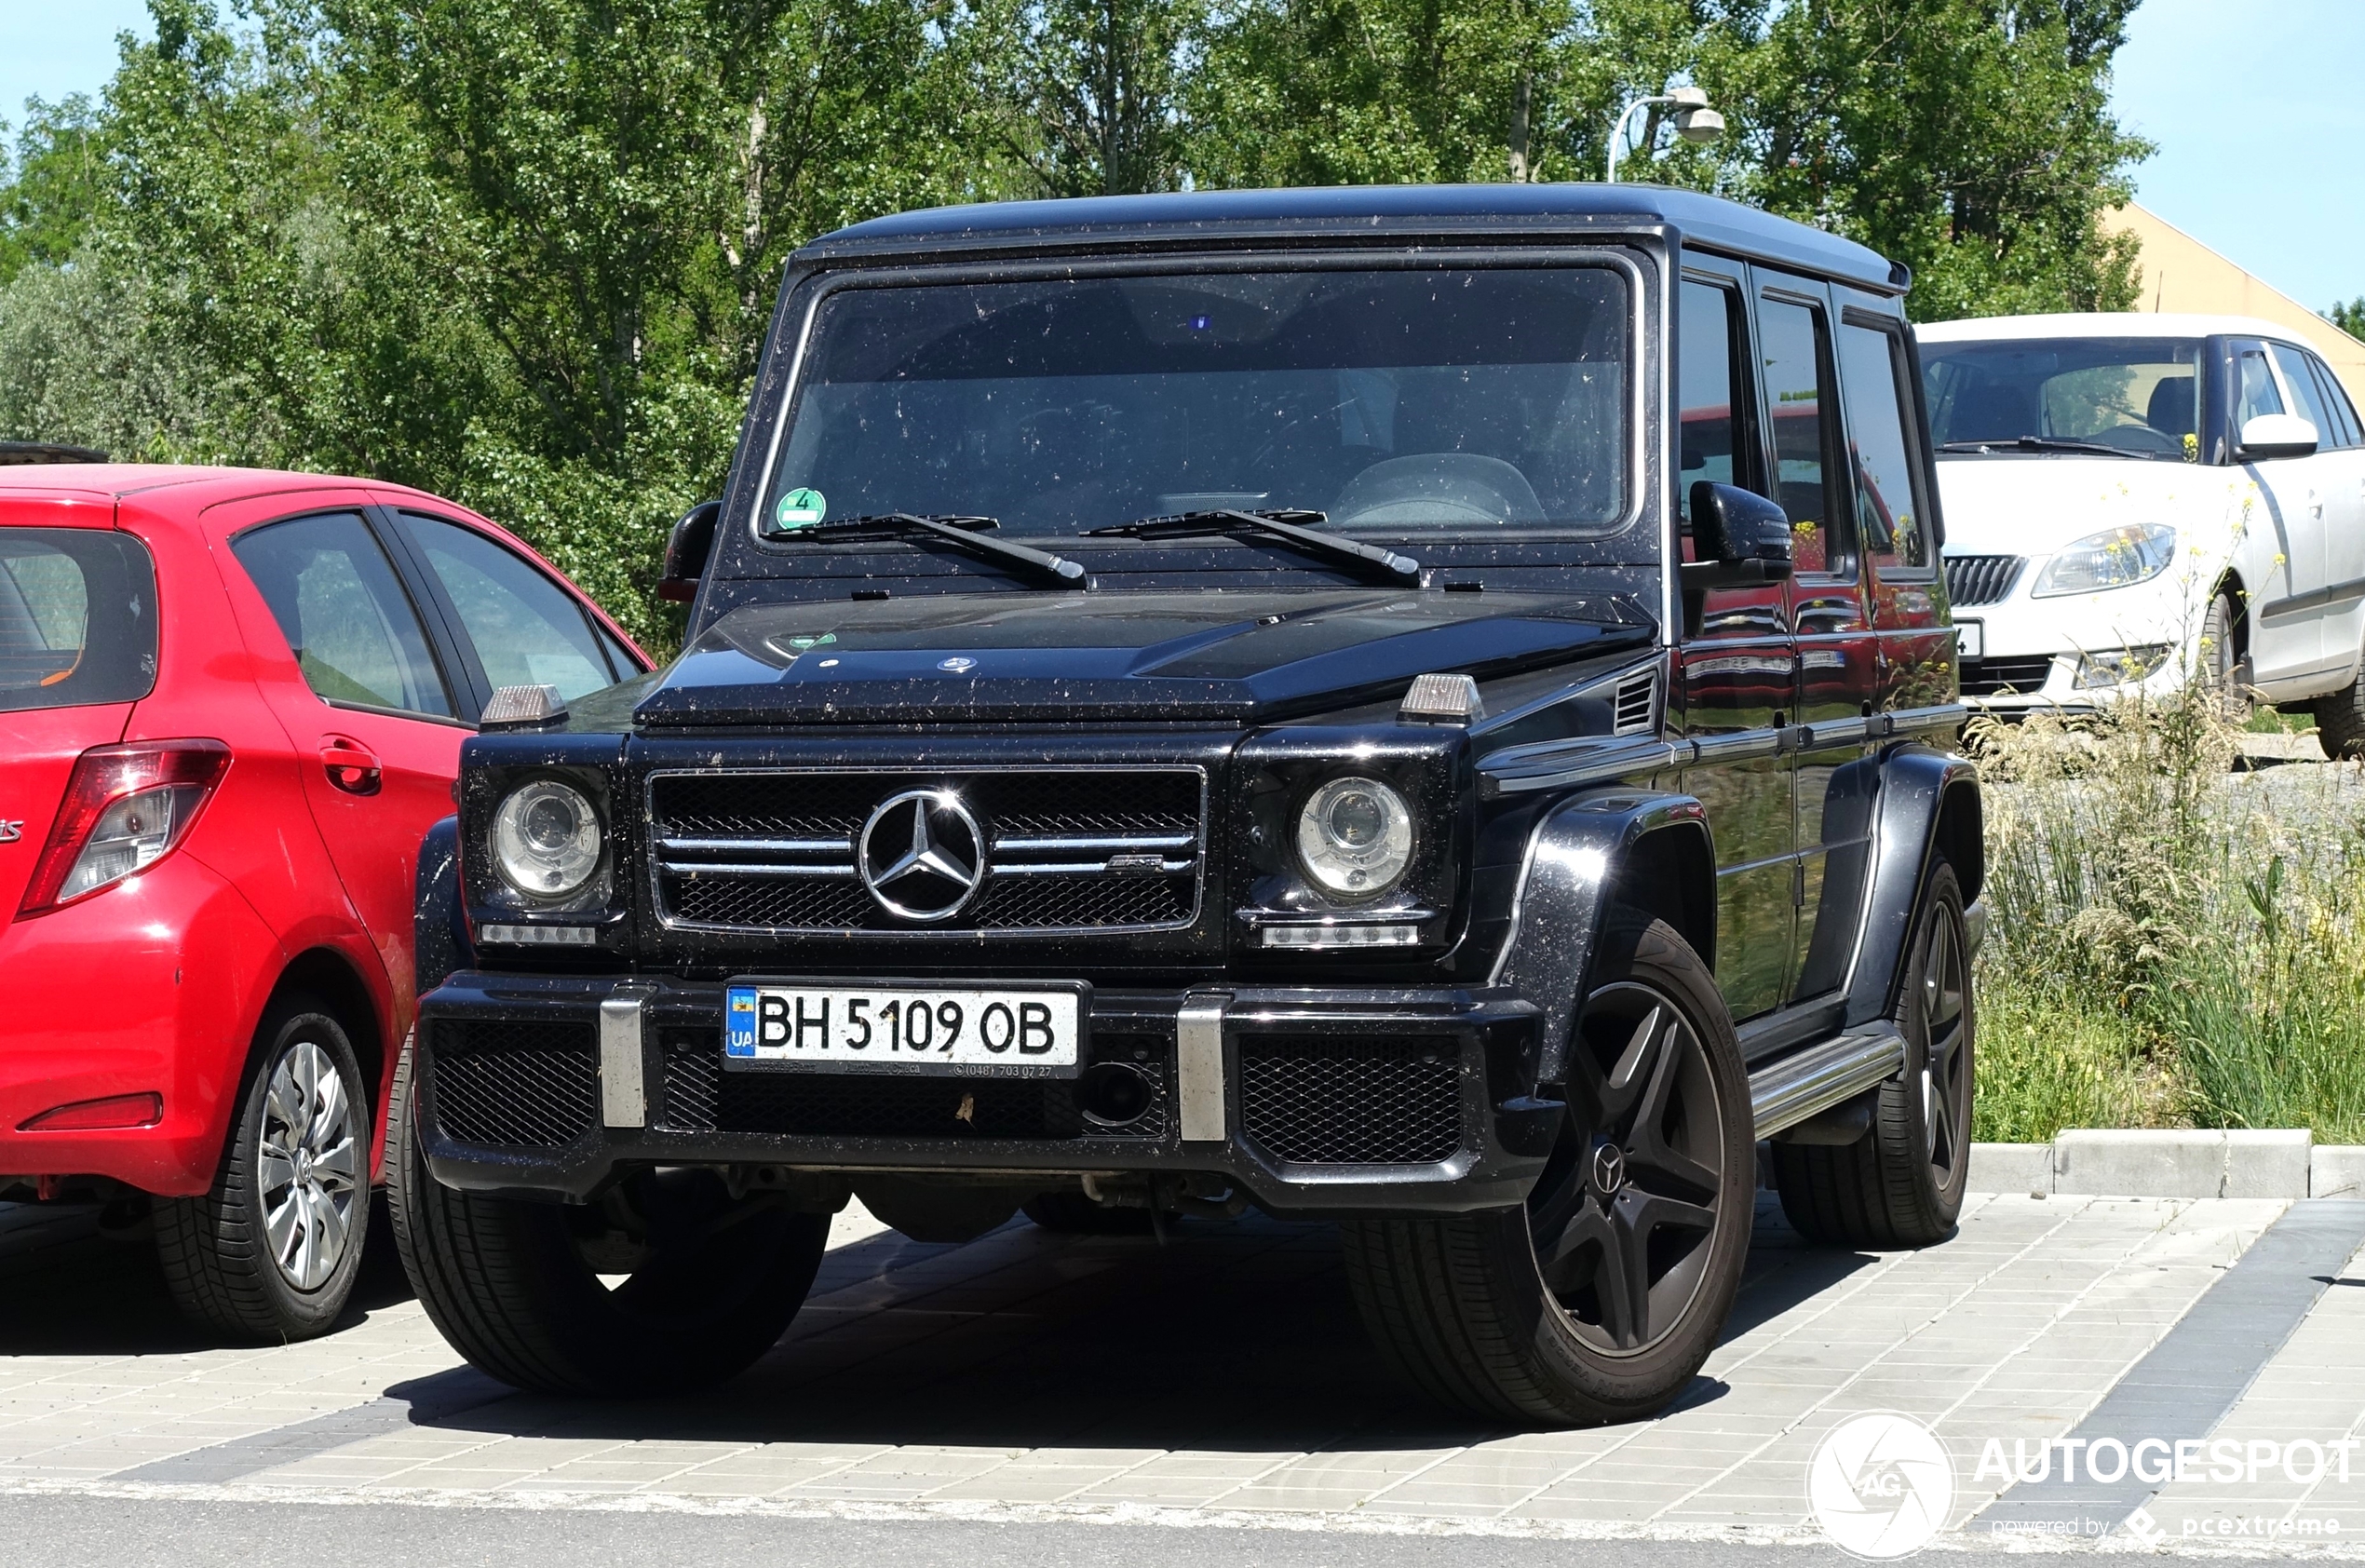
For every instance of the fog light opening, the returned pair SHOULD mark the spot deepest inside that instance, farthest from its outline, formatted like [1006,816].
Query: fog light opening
[1115,1094]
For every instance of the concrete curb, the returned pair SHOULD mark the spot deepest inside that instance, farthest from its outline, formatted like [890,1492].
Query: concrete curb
[2090,1162]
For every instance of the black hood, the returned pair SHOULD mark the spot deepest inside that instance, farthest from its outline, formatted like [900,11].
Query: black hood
[1210,656]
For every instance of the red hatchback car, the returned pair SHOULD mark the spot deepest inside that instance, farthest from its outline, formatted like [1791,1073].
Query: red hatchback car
[231,706]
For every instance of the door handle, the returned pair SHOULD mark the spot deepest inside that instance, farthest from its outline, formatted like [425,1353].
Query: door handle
[352,766]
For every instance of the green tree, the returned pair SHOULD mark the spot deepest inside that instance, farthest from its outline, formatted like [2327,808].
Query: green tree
[54,183]
[1091,90]
[1969,138]
[2349,316]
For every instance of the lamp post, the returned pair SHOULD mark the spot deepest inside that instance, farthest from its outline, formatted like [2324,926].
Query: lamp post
[1694,121]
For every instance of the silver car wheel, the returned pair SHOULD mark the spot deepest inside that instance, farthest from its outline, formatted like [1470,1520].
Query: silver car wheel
[309,1169]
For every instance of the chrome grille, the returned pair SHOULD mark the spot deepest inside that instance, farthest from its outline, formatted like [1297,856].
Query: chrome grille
[1981,579]
[1073,849]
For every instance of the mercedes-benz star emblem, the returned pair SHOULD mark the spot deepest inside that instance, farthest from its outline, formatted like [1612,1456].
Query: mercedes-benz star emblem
[922,855]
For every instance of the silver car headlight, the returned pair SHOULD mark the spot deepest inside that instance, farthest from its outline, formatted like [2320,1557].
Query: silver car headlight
[2116,558]
[547,839]
[1355,837]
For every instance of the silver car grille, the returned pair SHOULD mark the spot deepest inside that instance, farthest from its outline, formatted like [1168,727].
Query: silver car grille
[1981,579]
[774,852]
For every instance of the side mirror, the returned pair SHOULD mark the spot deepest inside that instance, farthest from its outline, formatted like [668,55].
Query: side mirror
[2277,435]
[687,552]
[1739,536]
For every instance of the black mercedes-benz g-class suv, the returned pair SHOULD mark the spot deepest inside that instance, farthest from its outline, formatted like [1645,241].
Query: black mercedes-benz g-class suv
[1421,706]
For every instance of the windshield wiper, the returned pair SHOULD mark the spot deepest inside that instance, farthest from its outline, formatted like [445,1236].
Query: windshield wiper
[1285,524]
[2040,444]
[953,528]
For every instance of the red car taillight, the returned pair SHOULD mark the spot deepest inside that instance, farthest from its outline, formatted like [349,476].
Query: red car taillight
[125,808]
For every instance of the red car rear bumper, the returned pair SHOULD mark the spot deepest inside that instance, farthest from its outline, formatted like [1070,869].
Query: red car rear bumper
[151,987]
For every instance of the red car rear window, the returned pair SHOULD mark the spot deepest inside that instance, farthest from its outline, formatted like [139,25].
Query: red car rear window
[77,618]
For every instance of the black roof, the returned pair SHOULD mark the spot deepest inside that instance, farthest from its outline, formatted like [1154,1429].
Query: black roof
[1707,221]
[15,453]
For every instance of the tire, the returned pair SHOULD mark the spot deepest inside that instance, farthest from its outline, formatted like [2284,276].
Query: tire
[1515,1314]
[1072,1213]
[2340,720]
[710,1283]
[270,1253]
[2221,667]
[1901,1184]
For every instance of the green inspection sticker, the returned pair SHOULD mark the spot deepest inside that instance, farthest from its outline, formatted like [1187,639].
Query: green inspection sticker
[800,508]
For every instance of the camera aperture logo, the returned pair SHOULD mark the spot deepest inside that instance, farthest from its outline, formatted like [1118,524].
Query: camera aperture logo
[1880,1485]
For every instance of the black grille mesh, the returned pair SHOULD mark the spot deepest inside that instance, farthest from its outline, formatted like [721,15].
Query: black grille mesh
[504,1081]
[1333,1102]
[1989,677]
[701,1097]
[1980,579]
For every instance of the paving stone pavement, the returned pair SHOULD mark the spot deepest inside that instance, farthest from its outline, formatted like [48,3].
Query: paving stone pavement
[1220,1376]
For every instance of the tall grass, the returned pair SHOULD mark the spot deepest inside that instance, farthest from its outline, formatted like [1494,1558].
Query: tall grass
[2171,942]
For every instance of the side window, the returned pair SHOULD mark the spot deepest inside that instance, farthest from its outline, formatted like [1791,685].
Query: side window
[1874,389]
[2335,399]
[355,632]
[1795,350]
[2304,392]
[2255,388]
[528,630]
[1708,408]
[622,662]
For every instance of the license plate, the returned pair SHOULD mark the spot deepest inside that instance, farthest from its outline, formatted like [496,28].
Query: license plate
[1002,1032]
[1971,639]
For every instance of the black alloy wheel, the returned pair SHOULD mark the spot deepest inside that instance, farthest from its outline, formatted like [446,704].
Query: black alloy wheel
[1598,1299]
[1622,1216]
[1945,1022]
[1901,1184]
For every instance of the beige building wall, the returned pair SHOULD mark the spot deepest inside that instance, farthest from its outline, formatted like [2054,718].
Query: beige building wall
[2181,273]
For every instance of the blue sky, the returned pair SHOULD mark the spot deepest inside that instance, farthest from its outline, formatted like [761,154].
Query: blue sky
[2254,102]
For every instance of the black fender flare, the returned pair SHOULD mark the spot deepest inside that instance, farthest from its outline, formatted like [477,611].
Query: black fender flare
[440,931]
[1928,805]
[1576,856]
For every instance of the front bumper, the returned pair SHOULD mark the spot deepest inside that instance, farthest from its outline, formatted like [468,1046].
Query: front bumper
[1309,1100]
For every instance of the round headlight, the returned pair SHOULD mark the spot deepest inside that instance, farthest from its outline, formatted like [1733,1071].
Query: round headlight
[1355,836]
[546,839]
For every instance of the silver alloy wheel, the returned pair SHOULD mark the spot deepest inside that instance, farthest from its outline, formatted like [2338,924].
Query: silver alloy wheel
[310,1164]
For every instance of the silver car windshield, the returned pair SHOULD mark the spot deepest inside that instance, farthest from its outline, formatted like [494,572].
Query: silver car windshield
[2136,396]
[1409,402]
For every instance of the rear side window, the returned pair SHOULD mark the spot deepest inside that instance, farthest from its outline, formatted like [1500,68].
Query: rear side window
[528,630]
[2336,403]
[1796,348]
[1873,386]
[77,618]
[356,635]
[1707,422]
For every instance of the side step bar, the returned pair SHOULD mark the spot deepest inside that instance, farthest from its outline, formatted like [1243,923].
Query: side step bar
[1799,1086]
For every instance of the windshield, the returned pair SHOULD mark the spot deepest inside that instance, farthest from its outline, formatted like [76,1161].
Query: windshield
[1400,401]
[2140,396]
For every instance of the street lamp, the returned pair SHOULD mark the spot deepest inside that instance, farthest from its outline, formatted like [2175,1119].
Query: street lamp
[1694,121]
